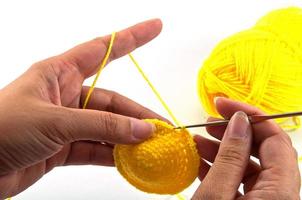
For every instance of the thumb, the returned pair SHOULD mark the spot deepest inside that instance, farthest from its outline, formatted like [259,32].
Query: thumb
[96,125]
[226,173]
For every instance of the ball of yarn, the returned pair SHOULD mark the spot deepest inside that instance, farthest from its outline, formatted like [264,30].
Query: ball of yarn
[166,163]
[261,66]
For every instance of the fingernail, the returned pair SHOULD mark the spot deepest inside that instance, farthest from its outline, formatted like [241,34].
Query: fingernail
[141,129]
[239,126]
[215,100]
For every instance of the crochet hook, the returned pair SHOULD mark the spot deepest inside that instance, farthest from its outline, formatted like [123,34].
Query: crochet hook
[252,118]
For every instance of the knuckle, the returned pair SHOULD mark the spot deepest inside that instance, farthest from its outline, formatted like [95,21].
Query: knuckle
[231,154]
[142,113]
[104,41]
[285,137]
[134,38]
[282,141]
[109,125]
[114,102]
[58,128]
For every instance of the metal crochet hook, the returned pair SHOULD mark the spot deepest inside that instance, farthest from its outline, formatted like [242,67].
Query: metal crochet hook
[253,119]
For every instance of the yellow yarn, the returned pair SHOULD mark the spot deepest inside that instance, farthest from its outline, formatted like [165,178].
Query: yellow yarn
[102,65]
[154,90]
[166,163]
[261,66]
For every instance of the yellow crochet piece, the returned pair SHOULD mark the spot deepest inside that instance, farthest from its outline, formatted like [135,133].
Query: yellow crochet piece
[148,161]
[166,163]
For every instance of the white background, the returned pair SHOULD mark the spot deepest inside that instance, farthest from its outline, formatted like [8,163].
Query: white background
[34,30]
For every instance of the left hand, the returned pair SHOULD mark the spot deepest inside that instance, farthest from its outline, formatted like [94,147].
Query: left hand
[43,126]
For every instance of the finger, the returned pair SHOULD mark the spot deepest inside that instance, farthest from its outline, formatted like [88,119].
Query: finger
[227,171]
[113,102]
[278,156]
[278,147]
[208,150]
[88,56]
[227,108]
[203,169]
[215,131]
[76,124]
[218,132]
[90,153]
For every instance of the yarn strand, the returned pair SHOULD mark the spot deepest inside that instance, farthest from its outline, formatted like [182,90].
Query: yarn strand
[102,65]
[154,90]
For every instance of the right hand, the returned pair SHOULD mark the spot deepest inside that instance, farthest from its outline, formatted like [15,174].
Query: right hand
[277,176]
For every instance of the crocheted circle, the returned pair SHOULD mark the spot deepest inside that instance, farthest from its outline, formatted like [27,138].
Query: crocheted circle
[166,163]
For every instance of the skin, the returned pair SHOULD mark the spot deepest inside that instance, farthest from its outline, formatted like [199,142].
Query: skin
[42,126]
[277,176]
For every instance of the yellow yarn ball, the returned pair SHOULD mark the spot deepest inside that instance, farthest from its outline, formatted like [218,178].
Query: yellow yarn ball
[261,66]
[285,23]
[166,163]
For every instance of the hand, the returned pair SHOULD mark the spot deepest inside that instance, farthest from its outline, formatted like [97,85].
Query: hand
[43,126]
[278,175]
